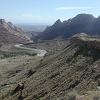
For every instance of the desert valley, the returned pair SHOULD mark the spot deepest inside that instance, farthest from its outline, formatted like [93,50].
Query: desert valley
[60,62]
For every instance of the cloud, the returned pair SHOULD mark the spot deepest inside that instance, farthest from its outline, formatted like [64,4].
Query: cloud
[73,8]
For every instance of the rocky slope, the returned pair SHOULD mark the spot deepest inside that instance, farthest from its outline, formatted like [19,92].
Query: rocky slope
[85,23]
[69,73]
[11,34]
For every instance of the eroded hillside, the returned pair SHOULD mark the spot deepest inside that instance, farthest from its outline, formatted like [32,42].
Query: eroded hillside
[12,34]
[69,73]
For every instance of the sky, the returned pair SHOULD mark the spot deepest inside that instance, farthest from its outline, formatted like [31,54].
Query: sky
[45,11]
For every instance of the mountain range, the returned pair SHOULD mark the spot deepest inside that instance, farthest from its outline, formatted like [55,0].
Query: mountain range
[85,23]
[11,34]
[72,71]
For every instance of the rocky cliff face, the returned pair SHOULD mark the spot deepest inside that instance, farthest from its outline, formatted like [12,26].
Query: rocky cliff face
[11,34]
[89,41]
[82,23]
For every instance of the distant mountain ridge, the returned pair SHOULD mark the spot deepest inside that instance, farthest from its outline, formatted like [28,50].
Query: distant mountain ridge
[11,34]
[82,23]
[32,28]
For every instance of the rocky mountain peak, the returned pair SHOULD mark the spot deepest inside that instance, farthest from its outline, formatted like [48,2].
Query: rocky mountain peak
[10,24]
[84,16]
[2,21]
[58,21]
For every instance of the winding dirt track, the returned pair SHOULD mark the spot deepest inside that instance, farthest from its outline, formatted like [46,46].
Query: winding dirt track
[40,53]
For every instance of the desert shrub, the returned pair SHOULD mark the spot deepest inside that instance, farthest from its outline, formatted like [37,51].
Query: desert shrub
[72,97]
[96,98]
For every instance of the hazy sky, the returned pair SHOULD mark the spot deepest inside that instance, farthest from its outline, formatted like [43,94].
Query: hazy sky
[46,11]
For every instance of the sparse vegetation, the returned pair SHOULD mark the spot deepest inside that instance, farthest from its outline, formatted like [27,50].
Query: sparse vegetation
[69,74]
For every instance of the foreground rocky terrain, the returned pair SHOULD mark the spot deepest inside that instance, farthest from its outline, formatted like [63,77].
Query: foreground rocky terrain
[72,73]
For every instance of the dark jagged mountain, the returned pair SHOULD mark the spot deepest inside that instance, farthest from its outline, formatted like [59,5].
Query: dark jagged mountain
[11,34]
[51,31]
[81,23]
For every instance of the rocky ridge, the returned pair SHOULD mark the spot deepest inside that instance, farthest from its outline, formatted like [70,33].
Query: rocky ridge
[11,34]
[82,23]
[69,73]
